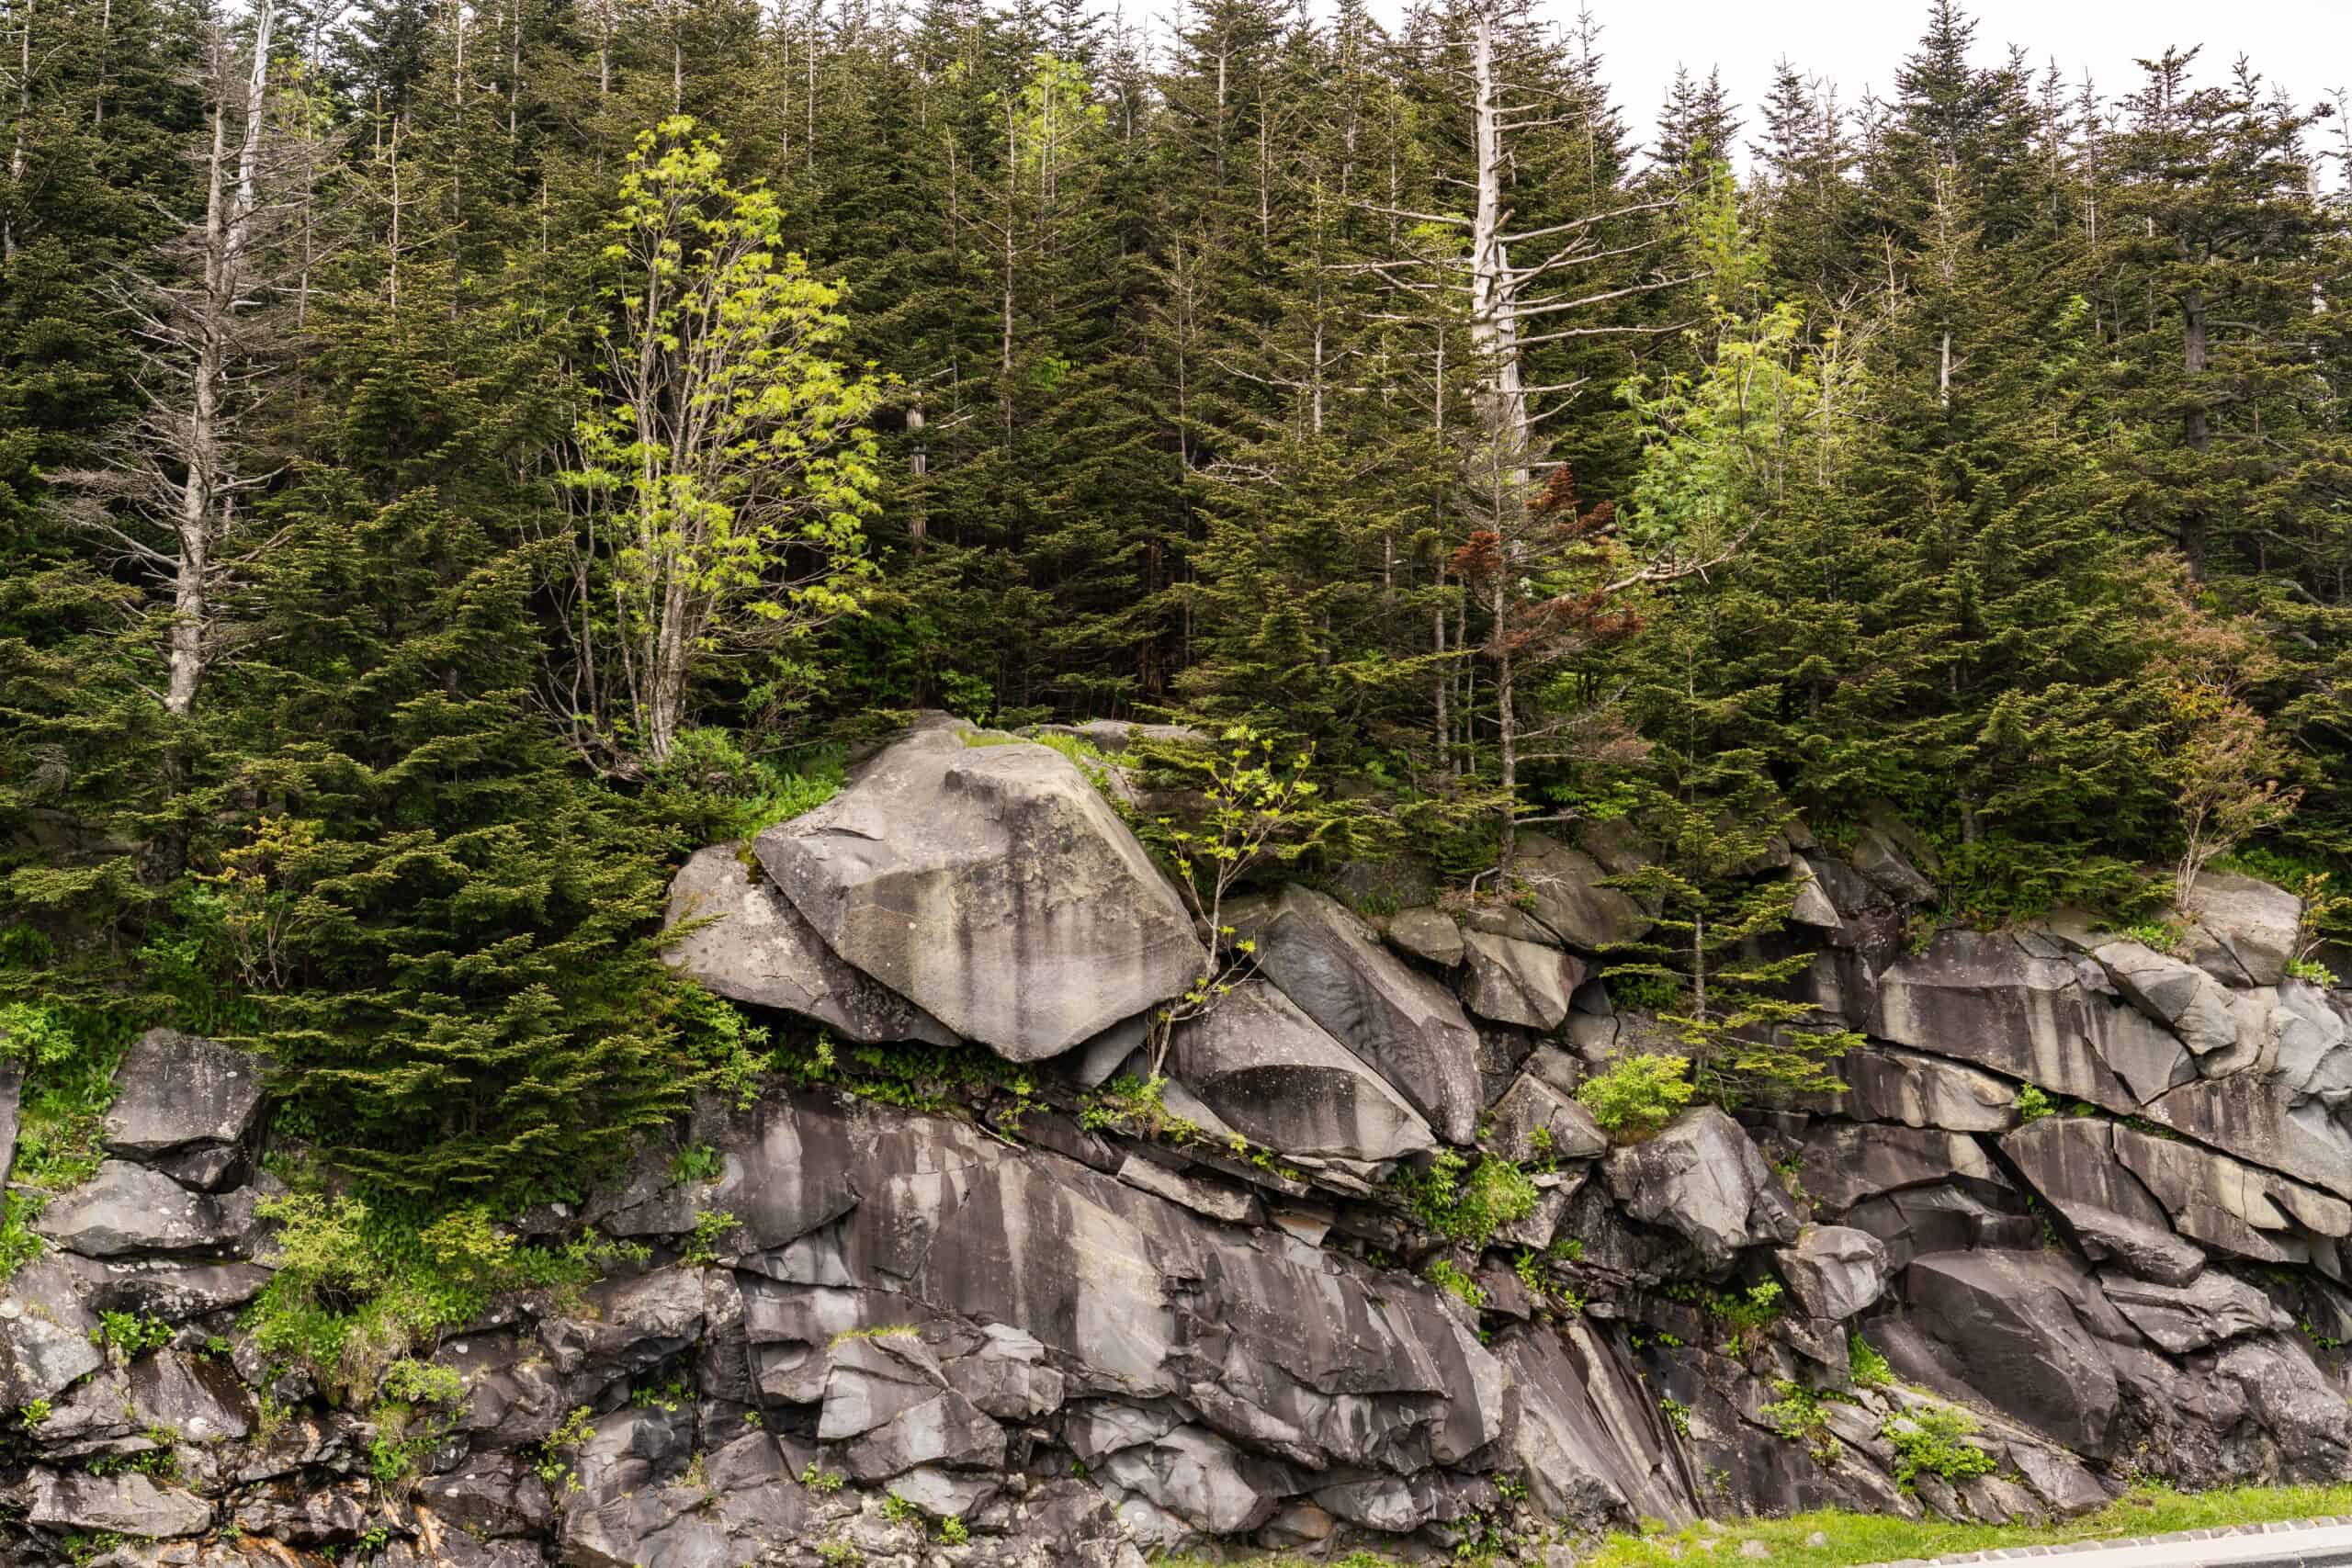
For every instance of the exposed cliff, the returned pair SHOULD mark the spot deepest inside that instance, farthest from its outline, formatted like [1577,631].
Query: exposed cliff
[1076,1322]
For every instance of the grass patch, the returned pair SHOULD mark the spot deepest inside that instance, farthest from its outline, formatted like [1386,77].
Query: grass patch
[1871,1538]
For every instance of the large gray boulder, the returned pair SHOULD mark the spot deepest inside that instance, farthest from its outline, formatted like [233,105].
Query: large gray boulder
[1842,1162]
[889,1405]
[2181,997]
[2242,931]
[2251,1118]
[1510,981]
[757,948]
[1404,1023]
[2009,1328]
[2017,1004]
[2230,1205]
[2071,1161]
[1886,1084]
[123,1504]
[126,1210]
[1537,1120]
[2181,1318]
[1274,1074]
[1703,1180]
[1425,933]
[993,887]
[186,1103]
[1834,1271]
[44,1333]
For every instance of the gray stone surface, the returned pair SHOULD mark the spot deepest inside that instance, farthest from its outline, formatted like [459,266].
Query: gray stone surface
[1536,1120]
[1404,1024]
[2242,931]
[127,1210]
[2181,997]
[758,949]
[2181,1318]
[1523,983]
[1918,1090]
[2008,1327]
[175,1092]
[1275,1076]
[125,1504]
[1834,1271]
[1569,901]
[1844,1162]
[1425,933]
[993,887]
[1703,1180]
[1986,998]
[12,1083]
[44,1333]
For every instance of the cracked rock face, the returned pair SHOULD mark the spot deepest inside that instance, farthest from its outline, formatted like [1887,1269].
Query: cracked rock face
[1274,1074]
[1403,1023]
[1080,1333]
[991,887]
[758,949]
[1703,1180]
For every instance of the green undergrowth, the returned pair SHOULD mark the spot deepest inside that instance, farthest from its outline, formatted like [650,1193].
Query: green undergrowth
[909,1075]
[1854,1538]
[1851,1538]
[1085,754]
[360,1287]
[714,793]
[1468,1207]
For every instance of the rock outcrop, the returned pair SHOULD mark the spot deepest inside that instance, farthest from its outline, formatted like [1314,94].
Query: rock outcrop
[990,886]
[1359,1271]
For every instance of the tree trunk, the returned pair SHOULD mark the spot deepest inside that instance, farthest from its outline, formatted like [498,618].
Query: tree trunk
[2196,426]
[17,150]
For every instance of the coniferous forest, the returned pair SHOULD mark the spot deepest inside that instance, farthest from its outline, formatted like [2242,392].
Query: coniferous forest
[457,458]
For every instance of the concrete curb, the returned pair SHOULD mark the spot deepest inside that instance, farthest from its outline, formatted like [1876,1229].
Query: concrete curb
[2155,1544]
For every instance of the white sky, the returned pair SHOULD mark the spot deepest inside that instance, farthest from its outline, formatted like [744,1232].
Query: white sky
[2304,44]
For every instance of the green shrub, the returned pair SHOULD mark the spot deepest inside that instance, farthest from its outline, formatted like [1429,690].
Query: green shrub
[1934,1440]
[1471,1208]
[356,1289]
[1748,1316]
[1637,1095]
[1799,1415]
[2033,1104]
[1676,1413]
[1866,1366]
[125,1336]
[1646,991]
[550,1459]
[1449,1277]
[702,1246]
[2311,970]
[19,1244]
[697,1162]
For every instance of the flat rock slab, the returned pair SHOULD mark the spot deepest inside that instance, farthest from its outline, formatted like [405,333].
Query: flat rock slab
[1834,1271]
[127,1210]
[1517,982]
[1425,933]
[126,1503]
[757,948]
[1275,1076]
[1991,1000]
[993,887]
[174,1090]
[1704,1180]
[1403,1023]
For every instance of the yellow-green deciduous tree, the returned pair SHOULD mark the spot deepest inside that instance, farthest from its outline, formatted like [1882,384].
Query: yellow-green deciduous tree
[723,466]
